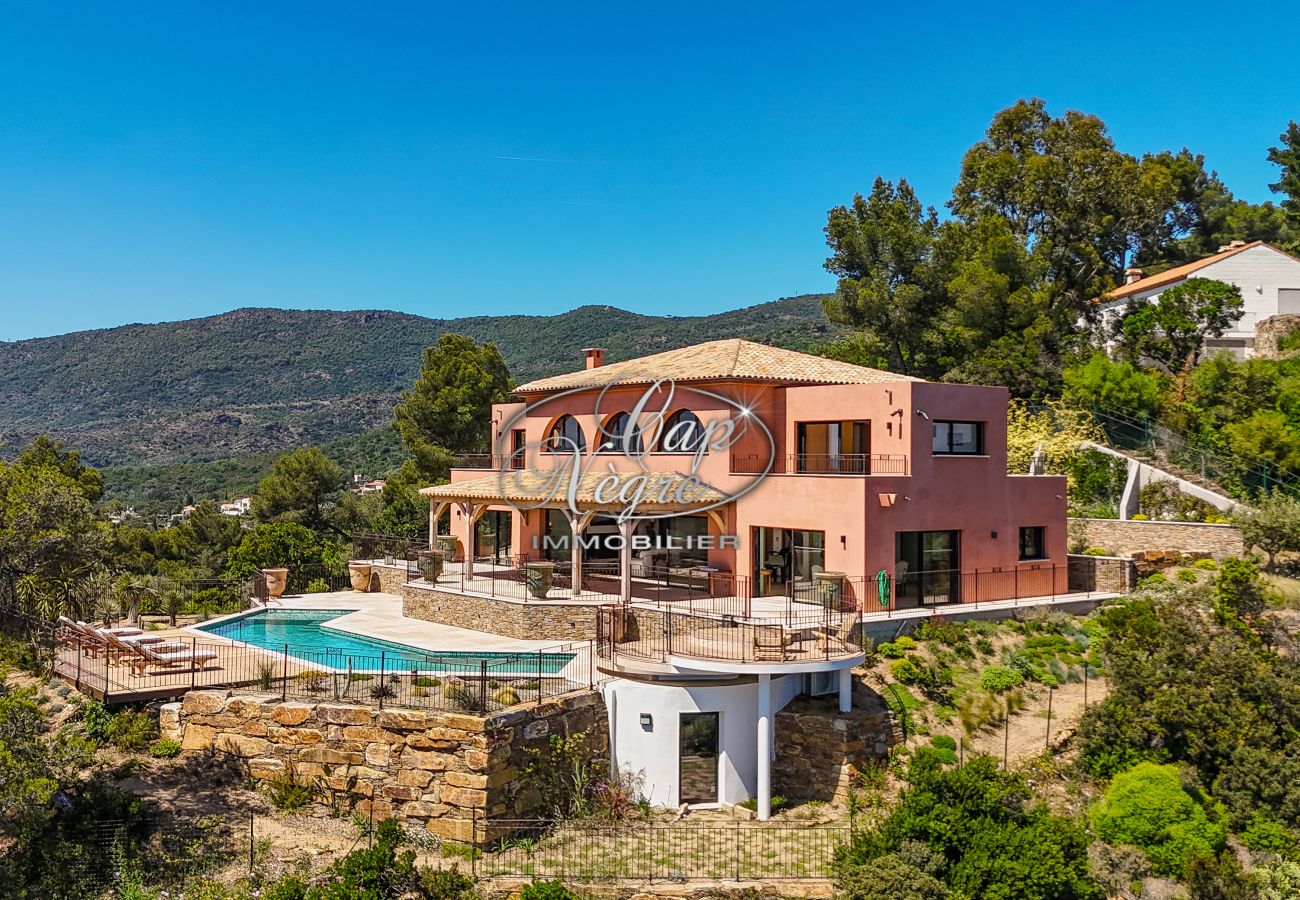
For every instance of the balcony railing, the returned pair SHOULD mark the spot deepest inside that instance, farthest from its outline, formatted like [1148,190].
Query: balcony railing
[820,464]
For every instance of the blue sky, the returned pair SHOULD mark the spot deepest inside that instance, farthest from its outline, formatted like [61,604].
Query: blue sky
[162,161]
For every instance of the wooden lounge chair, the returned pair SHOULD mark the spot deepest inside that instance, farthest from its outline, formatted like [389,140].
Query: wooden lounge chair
[769,643]
[112,644]
[146,658]
[839,635]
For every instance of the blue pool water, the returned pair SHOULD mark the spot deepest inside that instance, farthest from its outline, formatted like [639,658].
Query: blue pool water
[301,631]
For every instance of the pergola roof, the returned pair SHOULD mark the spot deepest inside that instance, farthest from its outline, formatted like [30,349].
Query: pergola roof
[533,489]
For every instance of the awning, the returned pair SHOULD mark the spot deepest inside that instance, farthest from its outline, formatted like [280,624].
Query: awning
[653,492]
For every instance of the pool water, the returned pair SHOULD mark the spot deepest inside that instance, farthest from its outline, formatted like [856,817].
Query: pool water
[301,631]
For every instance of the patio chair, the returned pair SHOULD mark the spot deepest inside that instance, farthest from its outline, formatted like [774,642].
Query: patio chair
[769,643]
[840,634]
[195,658]
[102,635]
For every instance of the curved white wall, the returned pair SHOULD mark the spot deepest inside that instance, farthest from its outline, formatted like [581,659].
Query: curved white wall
[653,753]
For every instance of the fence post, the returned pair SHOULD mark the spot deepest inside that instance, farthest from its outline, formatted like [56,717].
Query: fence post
[539,677]
[1006,735]
[77,681]
[473,842]
[252,847]
[383,681]
[1085,684]
[1047,740]
[284,681]
[591,656]
[482,687]
[194,664]
[737,850]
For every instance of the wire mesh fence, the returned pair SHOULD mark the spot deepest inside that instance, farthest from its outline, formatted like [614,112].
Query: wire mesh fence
[660,851]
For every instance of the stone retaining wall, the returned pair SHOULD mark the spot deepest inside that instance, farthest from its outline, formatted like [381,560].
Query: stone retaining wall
[442,770]
[821,752]
[391,578]
[540,620]
[1116,574]
[1123,538]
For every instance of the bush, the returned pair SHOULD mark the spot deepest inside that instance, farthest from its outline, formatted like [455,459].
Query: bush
[288,793]
[889,878]
[1096,551]
[905,643]
[890,650]
[165,748]
[999,678]
[426,682]
[318,586]
[1186,575]
[905,671]
[1148,807]
[463,697]
[446,884]
[1208,564]
[132,731]
[944,742]
[95,718]
[546,890]
[984,646]
[1139,517]
[312,680]
[1153,579]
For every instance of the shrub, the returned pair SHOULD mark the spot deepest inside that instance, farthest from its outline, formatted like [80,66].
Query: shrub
[463,697]
[944,742]
[132,731]
[1096,551]
[382,691]
[905,643]
[164,748]
[1186,575]
[288,793]
[446,884]
[1141,517]
[984,646]
[890,650]
[889,878]
[1208,564]
[506,696]
[426,682]
[1153,579]
[546,890]
[905,670]
[1148,807]
[318,586]
[937,628]
[266,675]
[95,718]
[312,680]
[999,678]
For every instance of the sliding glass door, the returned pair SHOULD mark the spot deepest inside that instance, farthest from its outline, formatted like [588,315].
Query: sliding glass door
[785,560]
[927,568]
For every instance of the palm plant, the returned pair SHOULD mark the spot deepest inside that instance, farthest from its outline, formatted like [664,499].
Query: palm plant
[135,590]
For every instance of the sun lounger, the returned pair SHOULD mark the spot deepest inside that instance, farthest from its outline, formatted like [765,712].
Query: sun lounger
[142,657]
[103,635]
[840,635]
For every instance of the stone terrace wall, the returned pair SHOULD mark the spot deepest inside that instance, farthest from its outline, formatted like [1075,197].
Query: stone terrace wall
[1122,538]
[541,620]
[820,752]
[1117,574]
[391,578]
[438,769]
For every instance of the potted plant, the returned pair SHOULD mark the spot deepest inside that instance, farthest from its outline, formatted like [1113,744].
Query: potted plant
[430,564]
[359,574]
[540,575]
[276,581]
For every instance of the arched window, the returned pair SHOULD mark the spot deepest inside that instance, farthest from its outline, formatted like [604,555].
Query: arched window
[683,433]
[566,436]
[619,434]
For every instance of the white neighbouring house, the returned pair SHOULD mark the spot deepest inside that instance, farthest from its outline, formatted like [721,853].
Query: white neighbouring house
[1268,278]
[237,507]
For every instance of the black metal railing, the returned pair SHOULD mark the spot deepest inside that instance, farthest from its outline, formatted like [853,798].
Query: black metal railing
[819,464]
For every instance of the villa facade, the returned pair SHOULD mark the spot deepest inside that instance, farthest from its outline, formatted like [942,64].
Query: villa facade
[722,517]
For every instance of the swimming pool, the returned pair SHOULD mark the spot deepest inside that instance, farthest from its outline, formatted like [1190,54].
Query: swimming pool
[302,633]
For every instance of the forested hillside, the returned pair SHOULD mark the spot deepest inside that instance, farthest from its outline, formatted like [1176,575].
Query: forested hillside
[265,380]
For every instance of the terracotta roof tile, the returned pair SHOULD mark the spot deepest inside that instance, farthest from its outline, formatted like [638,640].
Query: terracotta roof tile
[725,360]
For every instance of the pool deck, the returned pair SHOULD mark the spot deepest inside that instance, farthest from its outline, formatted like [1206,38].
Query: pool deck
[376,615]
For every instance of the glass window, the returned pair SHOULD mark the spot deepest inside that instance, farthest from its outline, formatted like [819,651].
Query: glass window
[619,434]
[958,438]
[566,436]
[1033,542]
[683,433]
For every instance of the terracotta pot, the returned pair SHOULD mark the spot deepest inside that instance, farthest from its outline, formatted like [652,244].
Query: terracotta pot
[430,564]
[447,544]
[276,581]
[540,576]
[360,573]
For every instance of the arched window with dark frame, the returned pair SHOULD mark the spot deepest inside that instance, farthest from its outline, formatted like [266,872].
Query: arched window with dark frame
[683,433]
[619,434]
[566,436]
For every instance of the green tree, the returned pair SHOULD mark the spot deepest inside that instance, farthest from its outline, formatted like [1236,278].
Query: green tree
[1148,807]
[35,763]
[1173,329]
[890,286]
[277,544]
[1104,383]
[303,487]
[889,878]
[1271,523]
[448,409]
[137,591]
[1287,156]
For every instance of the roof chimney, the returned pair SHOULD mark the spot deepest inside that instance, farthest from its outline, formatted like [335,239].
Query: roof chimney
[1232,245]
[595,357]
[1132,275]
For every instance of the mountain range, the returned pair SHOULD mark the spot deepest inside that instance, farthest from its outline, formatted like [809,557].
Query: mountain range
[259,381]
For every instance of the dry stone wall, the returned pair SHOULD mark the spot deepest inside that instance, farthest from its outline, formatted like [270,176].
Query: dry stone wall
[443,770]
[821,752]
[1125,538]
[541,620]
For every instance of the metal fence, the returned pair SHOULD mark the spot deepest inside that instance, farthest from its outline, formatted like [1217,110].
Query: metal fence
[819,464]
[659,851]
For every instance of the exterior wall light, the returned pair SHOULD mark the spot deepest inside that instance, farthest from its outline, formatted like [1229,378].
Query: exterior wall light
[647,721]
